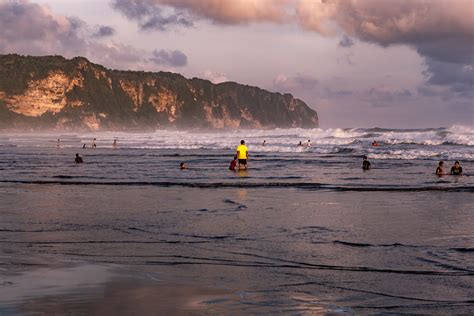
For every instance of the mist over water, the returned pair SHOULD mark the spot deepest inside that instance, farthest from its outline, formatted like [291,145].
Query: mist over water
[304,230]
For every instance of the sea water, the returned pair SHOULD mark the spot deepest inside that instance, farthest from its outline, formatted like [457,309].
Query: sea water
[304,230]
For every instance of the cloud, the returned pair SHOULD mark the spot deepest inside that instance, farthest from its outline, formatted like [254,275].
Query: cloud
[442,31]
[104,31]
[233,11]
[346,41]
[294,84]
[173,58]
[432,27]
[214,77]
[33,29]
[387,23]
[459,77]
[116,56]
[29,28]
[150,16]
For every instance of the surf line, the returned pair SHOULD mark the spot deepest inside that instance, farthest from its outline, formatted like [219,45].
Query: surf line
[215,185]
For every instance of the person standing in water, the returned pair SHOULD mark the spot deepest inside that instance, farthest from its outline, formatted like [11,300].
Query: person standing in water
[78,159]
[94,145]
[365,163]
[456,170]
[308,144]
[59,143]
[242,154]
[440,169]
[114,145]
[264,142]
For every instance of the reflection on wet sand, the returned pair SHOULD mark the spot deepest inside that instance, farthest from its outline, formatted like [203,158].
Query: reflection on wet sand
[104,290]
[34,283]
[242,193]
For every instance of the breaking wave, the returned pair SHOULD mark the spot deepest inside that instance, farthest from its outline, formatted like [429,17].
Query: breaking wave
[455,142]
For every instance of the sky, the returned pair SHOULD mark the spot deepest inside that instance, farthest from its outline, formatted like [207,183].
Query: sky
[358,63]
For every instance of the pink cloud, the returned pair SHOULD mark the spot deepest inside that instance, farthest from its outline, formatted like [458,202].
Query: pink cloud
[442,31]
[388,22]
[234,11]
[33,29]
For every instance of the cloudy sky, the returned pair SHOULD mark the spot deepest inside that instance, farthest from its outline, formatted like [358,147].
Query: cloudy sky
[400,63]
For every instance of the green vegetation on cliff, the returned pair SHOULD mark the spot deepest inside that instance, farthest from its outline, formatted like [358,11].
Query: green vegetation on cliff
[54,92]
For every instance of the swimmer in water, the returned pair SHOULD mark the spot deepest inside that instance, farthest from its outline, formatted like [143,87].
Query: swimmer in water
[308,144]
[78,159]
[456,170]
[440,169]
[183,166]
[375,143]
[365,163]
[300,144]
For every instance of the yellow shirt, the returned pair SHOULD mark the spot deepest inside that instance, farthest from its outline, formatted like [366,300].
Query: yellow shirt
[242,152]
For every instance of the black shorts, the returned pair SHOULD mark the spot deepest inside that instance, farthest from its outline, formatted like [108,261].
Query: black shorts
[242,161]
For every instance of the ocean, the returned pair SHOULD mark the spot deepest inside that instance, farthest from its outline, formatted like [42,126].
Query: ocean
[305,230]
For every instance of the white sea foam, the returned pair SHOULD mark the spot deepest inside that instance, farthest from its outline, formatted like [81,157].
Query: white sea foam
[456,142]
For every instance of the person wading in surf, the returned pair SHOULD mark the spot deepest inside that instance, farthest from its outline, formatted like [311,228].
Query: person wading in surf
[242,154]
[365,163]
[456,170]
[78,159]
[440,169]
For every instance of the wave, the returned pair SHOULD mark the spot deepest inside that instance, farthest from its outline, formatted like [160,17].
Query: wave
[323,141]
[218,185]
[420,154]
[407,130]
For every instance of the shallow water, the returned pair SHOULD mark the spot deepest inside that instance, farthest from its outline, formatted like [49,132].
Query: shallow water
[405,159]
[300,232]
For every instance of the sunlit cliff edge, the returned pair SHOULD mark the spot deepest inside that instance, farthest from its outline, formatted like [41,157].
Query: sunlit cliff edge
[52,92]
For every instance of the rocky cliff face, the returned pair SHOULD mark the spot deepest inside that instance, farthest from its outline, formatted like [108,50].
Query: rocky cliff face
[55,93]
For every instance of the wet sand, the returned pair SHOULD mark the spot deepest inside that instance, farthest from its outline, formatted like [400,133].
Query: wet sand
[109,250]
[74,288]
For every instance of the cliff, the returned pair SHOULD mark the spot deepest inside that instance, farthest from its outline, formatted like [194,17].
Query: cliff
[52,92]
